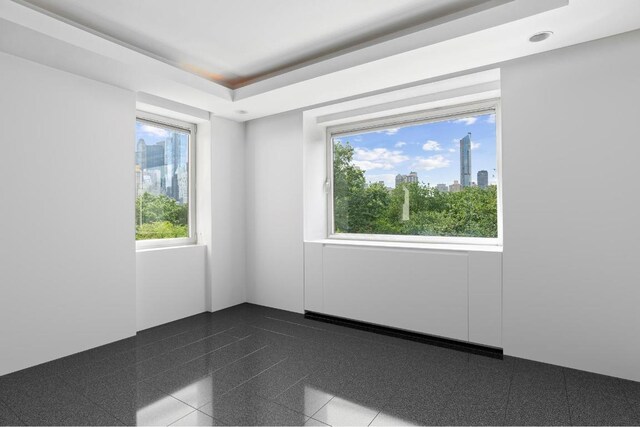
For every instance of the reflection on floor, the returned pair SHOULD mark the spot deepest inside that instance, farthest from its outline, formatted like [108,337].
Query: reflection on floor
[251,365]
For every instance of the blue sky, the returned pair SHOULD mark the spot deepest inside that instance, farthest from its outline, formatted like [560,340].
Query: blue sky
[431,149]
[154,134]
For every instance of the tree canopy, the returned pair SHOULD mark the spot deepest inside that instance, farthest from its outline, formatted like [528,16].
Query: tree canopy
[160,217]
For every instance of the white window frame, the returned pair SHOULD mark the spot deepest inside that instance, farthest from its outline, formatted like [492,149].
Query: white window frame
[155,119]
[421,117]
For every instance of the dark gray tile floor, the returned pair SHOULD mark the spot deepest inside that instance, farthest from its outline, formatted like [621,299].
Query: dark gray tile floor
[252,365]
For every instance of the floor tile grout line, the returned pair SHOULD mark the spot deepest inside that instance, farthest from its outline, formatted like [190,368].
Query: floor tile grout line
[297,324]
[204,376]
[74,390]
[374,418]
[259,373]
[291,386]
[195,410]
[93,380]
[191,360]
[276,332]
[328,401]
[173,422]
[135,348]
[566,393]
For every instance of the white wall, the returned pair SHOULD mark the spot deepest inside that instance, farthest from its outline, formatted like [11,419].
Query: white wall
[571,283]
[227,254]
[178,282]
[170,284]
[67,260]
[274,211]
[572,241]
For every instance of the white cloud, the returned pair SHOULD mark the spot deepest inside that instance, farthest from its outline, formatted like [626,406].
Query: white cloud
[475,145]
[467,120]
[400,144]
[367,165]
[431,145]
[162,133]
[431,162]
[357,139]
[491,118]
[377,158]
[452,150]
[390,131]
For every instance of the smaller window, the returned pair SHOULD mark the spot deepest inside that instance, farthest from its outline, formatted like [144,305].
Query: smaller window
[164,181]
[430,177]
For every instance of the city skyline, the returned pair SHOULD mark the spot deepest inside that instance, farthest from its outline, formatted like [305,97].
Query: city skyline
[430,149]
[162,163]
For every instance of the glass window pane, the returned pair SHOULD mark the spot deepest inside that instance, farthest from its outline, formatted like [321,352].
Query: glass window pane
[162,181]
[422,179]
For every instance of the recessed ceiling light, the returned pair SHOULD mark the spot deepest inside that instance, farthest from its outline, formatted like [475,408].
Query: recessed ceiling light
[542,35]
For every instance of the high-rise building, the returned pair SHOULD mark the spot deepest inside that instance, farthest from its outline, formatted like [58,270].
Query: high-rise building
[412,177]
[455,187]
[483,179]
[444,188]
[465,161]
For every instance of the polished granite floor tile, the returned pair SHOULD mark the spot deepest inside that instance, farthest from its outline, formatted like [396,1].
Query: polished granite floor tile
[77,413]
[343,412]
[538,399]
[272,382]
[479,398]
[306,397]
[139,404]
[179,356]
[632,391]
[246,409]
[252,365]
[8,417]
[603,410]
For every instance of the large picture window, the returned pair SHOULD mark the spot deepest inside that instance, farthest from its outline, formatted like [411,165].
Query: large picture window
[420,177]
[164,187]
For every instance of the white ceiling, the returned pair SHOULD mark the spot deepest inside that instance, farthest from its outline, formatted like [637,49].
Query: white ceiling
[234,42]
[478,38]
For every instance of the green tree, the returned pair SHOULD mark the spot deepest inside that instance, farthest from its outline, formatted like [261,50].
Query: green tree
[160,216]
[348,186]
[160,230]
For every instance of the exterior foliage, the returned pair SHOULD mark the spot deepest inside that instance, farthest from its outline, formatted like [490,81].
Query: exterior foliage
[375,209]
[160,217]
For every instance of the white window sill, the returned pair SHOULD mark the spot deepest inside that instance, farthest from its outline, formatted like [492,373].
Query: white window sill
[168,248]
[411,245]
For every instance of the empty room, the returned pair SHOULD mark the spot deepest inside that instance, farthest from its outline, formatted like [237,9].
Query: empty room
[319,212]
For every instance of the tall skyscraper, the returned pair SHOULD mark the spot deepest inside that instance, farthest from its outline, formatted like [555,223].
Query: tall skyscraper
[483,179]
[465,161]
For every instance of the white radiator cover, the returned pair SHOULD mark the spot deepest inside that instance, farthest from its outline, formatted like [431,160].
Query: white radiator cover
[451,294]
